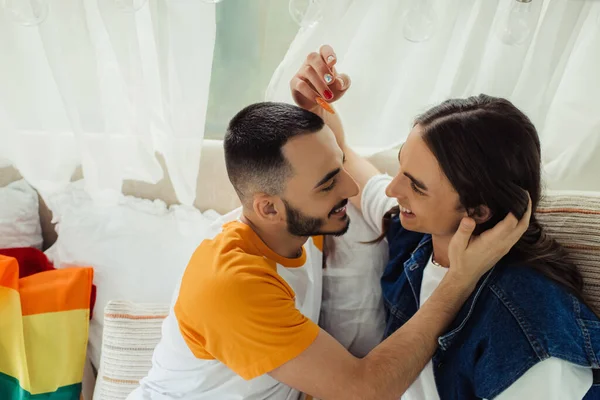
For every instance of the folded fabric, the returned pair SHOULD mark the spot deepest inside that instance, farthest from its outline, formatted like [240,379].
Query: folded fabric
[19,216]
[44,321]
[31,261]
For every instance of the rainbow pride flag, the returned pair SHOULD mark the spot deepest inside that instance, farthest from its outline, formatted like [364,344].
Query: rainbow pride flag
[43,332]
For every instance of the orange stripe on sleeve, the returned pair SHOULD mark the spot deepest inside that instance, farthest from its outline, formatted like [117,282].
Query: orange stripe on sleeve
[39,292]
[318,241]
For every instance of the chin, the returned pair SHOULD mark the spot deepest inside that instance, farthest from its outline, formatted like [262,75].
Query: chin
[338,231]
[410,225]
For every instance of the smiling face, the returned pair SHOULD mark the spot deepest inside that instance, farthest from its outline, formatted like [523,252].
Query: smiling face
[316,194]
[427,200]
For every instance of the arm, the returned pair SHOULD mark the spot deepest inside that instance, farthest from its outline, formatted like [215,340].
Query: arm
[327,371]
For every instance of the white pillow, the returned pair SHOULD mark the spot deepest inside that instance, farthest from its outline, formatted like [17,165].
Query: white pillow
[352,310]
[19,216]
[138,248]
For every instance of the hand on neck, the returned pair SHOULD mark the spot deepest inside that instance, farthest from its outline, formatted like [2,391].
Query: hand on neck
[276,237]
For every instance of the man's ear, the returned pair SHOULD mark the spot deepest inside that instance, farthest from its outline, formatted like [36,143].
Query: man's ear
[266,207]
[480,214]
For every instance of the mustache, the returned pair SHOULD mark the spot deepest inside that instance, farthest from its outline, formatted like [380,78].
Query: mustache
[339,205]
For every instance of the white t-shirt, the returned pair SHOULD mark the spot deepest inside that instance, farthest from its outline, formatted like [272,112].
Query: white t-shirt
[551,379]
[239,312]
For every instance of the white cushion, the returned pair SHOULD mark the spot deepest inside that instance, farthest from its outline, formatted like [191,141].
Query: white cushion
[19,216]
[138,248]
[131,331]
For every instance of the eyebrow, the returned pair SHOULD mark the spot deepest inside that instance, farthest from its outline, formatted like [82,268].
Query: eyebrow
[328,177]
[417,182]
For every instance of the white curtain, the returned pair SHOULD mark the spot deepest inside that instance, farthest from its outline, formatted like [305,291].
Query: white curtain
[105,84]
[553,74]
[252,38]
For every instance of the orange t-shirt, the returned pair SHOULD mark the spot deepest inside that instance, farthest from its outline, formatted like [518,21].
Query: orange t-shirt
[233,305]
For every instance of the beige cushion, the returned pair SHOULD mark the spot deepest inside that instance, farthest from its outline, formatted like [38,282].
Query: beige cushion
[213,188]
[131,331]
[573,219]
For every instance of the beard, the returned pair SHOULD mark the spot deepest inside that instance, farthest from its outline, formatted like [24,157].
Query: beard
[300,224]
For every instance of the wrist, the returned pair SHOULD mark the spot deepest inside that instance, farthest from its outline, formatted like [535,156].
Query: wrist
[463,283]
[334,123]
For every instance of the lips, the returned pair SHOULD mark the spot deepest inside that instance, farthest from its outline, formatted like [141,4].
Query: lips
[405,210]
[341,207]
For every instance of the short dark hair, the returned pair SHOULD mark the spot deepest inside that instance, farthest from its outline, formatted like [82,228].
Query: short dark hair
[254,141]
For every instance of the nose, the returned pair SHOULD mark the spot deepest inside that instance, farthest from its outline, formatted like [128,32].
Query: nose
[394,189]
[351,186]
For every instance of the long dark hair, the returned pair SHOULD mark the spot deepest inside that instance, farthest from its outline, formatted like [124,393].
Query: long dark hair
[490,152]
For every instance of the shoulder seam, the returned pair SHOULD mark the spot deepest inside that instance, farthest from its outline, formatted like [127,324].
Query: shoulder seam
[524,325]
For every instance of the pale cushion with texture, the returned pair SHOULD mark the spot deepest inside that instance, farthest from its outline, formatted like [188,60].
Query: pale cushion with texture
[131,331]
[573,219]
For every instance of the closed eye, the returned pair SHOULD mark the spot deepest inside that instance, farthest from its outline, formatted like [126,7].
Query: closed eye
[416,189]
[330,187]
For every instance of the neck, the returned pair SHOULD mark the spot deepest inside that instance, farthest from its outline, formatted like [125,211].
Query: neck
[278,240]
[440,249]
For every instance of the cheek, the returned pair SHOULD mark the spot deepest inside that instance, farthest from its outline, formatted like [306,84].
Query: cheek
[320,208]
[444,217]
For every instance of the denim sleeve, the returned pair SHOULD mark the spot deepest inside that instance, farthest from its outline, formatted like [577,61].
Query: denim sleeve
[501,353]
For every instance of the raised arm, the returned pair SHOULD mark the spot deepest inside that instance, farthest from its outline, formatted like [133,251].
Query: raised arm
[326,370]
[318,79]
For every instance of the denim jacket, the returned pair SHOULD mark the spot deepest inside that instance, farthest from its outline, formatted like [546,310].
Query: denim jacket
[514,319]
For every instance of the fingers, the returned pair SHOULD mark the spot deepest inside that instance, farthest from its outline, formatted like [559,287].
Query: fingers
[463,235]
[502,230]
[322,84]
[328,55]
[523,224]
[314,78]
[510,229]
[304,95]
[342,83]
[322,76]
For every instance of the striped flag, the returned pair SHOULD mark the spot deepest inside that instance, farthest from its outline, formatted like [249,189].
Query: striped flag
[43,332]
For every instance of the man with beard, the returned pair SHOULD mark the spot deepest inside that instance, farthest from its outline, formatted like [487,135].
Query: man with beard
[244,318]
